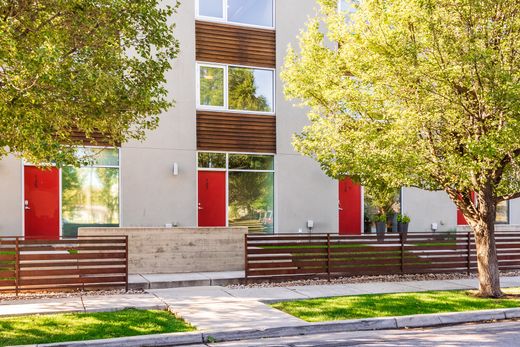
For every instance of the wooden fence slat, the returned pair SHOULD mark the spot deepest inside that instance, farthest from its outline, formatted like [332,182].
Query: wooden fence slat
[64,264]
[62,256]
[294,256]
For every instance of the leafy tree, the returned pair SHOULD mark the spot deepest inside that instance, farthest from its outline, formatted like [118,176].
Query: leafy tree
[81,66]
[420,93]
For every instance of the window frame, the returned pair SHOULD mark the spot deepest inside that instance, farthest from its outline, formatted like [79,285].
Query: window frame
[224,19]
[225,87]
[226,108]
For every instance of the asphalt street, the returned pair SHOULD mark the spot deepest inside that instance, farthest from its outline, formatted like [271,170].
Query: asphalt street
[501,334]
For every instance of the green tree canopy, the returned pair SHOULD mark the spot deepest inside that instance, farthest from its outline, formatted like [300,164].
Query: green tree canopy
[87,66]
[420,93]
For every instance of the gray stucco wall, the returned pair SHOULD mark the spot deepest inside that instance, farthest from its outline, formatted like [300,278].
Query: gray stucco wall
[426,207]
[11,215]
[151,194]
[303,191]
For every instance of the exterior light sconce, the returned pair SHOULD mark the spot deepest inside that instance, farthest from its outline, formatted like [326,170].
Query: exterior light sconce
[175,170]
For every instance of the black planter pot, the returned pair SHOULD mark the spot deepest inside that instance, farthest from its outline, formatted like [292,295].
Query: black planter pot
[403,230]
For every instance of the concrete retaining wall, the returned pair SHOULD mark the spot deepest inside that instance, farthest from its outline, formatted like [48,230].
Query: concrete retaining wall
[173,250]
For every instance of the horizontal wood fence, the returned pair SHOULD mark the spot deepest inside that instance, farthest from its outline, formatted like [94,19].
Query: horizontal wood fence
[297,256]
[66,264]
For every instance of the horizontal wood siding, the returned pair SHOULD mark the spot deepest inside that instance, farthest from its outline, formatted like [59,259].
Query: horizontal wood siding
[219,131]
[98,139]
[231,44]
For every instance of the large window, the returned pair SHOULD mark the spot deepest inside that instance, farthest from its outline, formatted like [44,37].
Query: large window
[502,214]
[245,12]
[250,188]
[90,194]
[235,88]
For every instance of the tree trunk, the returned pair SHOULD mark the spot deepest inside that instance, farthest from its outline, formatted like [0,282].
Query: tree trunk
[487,261]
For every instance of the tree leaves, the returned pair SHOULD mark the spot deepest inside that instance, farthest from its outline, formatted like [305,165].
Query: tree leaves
[78,66]
[413,93]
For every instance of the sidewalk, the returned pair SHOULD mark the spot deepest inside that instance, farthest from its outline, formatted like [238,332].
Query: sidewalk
[220,308]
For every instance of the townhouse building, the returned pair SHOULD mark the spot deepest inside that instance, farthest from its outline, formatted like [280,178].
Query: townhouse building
[222,156]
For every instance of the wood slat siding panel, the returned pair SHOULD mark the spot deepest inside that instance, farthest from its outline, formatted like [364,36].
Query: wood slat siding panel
[232,44]
[219,131]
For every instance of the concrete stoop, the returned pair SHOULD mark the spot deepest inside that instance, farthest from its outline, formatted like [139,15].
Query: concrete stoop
[385,323]
[179,280]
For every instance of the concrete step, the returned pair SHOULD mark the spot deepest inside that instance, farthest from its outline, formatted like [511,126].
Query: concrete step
[178,280]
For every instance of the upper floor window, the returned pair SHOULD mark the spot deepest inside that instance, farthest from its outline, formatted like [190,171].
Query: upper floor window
[235,88]
[247,12]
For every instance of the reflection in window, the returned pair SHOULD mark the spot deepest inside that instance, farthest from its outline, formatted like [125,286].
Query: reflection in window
[212,160]
[211,86]
[251,200]
[502,214]
[250,12]
[99,156]
[254,12]
[211,8]
[90,194]
[250,89]
[251,162]
[392,209]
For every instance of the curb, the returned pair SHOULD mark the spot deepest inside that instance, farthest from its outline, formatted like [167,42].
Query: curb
[386,323]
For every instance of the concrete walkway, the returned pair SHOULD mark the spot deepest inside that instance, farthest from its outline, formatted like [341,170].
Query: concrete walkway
[220,308]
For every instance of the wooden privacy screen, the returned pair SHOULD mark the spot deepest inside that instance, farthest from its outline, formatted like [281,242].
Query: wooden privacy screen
[83,263]
[289,257]
[220,131]
[232,44]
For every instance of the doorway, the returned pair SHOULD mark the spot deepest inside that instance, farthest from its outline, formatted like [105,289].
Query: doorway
[42,203]
[212,198]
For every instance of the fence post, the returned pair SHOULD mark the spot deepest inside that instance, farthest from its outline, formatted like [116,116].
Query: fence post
[17,265]
[246,263]
[328,257]
[126,263]
[468,241]
[402,252]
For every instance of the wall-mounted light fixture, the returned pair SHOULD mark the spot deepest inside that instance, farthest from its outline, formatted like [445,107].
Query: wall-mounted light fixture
[175,169]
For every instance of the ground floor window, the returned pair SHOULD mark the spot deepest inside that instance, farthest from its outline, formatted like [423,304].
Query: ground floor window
[502,215]
[236,190]
[90,194]
[371,209]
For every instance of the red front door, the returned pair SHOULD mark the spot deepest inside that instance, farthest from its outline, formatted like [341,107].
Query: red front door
[42,203]
[350,205]
[461,220]
[212,199]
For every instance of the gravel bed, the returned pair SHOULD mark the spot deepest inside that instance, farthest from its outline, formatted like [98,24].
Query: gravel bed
[366,279]
[60,295]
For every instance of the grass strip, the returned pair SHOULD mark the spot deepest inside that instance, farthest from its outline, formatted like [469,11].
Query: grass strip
[398,304]
[35,329]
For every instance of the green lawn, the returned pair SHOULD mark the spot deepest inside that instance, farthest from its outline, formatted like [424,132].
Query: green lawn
[401,304]
[87,326]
